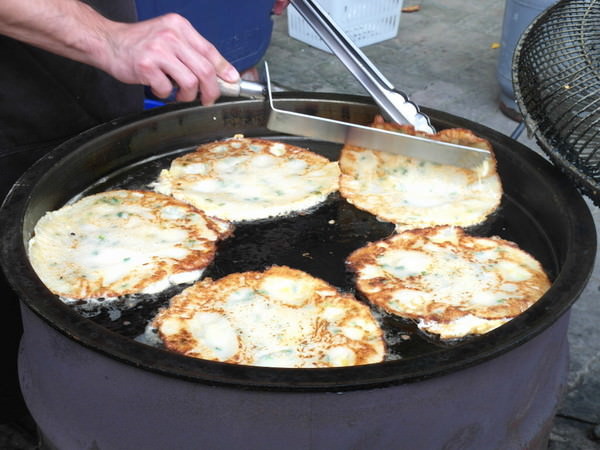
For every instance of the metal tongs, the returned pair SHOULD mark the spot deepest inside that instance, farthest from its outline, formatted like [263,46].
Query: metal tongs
[394,105]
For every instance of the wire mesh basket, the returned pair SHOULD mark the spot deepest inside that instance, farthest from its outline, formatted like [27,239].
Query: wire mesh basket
[365,22]
[556,77]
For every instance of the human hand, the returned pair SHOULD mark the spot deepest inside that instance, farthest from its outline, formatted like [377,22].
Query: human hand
[167,52]
[279,6]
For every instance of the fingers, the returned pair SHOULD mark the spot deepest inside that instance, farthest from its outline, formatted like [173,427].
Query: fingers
[167,52]
[205,64]
[161,86]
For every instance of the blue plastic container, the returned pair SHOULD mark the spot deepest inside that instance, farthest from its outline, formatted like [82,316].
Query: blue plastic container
[150,103]
[240,29]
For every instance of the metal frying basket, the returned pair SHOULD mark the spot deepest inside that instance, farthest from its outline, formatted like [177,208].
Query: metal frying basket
[556,77]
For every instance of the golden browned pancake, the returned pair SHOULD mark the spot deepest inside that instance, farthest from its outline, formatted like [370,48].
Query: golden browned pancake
[453,284]
[280,318]
[123,242]
[243,179]
[412,193]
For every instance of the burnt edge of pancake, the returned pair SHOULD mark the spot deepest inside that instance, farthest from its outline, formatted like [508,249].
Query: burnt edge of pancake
[300,321]
[250,179]
[392,274]
[462,197]
[404,339]
[111,250]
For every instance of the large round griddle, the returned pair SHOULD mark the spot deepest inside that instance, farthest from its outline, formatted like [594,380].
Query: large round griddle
[540,211]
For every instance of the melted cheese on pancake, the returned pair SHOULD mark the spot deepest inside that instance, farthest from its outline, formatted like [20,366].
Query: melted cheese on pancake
[242,179]
[453,284]
[279,318]
[122,242]
[413,193]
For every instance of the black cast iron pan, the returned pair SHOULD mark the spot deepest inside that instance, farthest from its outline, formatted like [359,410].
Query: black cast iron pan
[540,211]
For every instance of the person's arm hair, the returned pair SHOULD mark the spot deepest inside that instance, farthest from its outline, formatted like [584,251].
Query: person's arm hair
[159,53]
[66,27]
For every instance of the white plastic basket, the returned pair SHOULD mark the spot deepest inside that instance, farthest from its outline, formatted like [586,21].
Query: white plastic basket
[364,21]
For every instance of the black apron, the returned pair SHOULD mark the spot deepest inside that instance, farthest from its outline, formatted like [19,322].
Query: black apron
[44,100]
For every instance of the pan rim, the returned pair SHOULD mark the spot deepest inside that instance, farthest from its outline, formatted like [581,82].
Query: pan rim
[570,281]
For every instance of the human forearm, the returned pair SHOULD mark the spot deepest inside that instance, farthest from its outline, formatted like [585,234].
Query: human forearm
[158,53]
[68,28]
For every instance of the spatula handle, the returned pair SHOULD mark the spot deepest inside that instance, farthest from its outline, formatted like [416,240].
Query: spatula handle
[243,88]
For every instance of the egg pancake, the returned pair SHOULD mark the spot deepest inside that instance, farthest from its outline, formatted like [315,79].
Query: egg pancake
[244,179]
[412,193]
[281,317]
[123,242]
[451,283]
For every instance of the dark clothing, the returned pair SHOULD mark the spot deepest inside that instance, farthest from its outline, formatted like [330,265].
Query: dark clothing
[12,407]
[44,100]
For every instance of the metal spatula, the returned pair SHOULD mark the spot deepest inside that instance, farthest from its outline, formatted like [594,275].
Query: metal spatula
[330,130]
[394,105]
